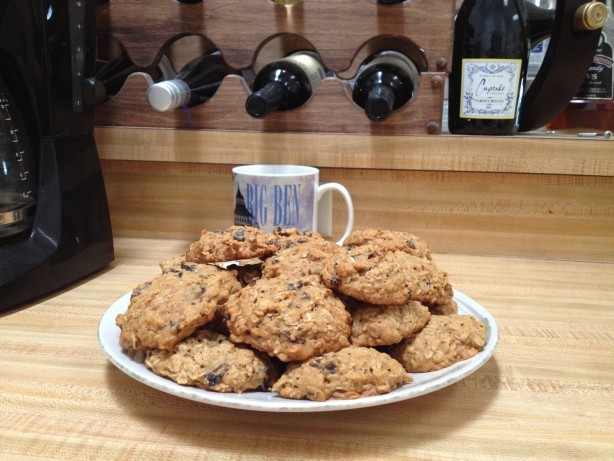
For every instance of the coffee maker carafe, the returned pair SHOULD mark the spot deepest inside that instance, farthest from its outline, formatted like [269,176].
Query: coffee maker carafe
[17,178]
[54,218]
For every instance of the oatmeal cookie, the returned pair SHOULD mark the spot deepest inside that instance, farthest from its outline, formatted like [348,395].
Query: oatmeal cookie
[444,341]
[300,260]
[292,319]
[170,307]
[286,237]
[386,325]
[373,275]
[234,243]
[444,309]
[210,361]
[350,373]
[390,240]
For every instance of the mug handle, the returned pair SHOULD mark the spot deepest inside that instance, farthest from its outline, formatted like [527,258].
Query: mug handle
[333,186]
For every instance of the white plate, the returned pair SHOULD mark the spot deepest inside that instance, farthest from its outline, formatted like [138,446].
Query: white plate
[423,383]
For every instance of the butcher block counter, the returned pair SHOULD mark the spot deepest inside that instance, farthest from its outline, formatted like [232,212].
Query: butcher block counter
[546,393]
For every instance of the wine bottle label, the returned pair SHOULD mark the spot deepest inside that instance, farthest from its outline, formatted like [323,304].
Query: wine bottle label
[310,65]
[598,81]
[489,88]
[396,59]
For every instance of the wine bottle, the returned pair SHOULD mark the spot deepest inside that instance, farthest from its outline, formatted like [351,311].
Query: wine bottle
[384,82]
[195,83]
[489,64]
[285,84]
[592,108]
[110,76]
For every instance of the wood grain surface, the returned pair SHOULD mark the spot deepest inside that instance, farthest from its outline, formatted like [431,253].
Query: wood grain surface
[530,153]
[537,215]
[546,394]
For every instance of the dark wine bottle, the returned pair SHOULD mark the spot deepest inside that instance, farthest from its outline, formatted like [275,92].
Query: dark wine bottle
[285,84]
[195,83]
[113,68]
[489,64]
[384,82]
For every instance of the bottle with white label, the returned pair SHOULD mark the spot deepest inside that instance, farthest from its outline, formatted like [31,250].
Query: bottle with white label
[385,81]
[285,84]
[489,65]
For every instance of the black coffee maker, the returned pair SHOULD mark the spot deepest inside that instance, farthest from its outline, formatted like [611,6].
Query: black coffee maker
[54,217]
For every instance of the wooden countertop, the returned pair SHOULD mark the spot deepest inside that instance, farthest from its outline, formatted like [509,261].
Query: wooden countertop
[546,393]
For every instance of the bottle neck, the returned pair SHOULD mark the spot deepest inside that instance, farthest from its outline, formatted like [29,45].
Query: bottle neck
[379,103]
[168,95]
[267,99]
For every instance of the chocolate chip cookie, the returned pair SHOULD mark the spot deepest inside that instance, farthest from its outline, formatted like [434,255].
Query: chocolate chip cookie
[292,319]
[210,361]
[350,373]
[445,340]
[374,275]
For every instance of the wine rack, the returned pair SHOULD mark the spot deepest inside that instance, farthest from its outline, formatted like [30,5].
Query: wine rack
[250,33]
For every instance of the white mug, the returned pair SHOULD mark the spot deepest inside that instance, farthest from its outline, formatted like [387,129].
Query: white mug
[270,196]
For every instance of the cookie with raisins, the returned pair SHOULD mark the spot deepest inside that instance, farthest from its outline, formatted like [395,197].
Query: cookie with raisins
[390,240]
[374,325]
[350,373]
[291,319]
[372,274]
[208,360]
[171,306]
[231,244]
[445,340]
[300,260]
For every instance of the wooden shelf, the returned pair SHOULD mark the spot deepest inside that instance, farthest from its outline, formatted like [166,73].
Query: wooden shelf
[527,153]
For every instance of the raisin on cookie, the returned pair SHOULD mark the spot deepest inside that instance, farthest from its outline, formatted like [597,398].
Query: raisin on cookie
[210,361]
[350,373]
[291,319]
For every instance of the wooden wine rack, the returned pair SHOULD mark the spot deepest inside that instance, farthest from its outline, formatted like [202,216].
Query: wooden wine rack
[250,33]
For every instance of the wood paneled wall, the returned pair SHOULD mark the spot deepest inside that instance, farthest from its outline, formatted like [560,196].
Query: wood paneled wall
[537,215]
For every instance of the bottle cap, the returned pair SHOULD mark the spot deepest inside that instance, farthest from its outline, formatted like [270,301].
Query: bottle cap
[379,103]
[168,95]
[590,16]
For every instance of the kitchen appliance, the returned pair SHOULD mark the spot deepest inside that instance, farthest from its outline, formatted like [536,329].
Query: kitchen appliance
[54,218]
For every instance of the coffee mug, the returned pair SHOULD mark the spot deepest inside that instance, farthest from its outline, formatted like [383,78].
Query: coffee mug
[270,196]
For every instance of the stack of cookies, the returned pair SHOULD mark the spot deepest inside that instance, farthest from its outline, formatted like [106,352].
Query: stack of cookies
[294,313]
